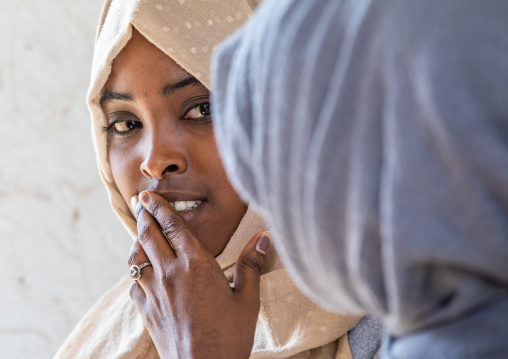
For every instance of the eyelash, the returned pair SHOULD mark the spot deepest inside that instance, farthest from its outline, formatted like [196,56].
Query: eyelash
[202,120]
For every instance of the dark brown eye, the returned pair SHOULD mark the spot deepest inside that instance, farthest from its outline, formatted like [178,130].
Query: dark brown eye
[122,124]
[126,126]
[204,108]
[199,111]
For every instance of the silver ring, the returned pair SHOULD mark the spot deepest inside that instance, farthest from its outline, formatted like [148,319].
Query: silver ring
[135,271]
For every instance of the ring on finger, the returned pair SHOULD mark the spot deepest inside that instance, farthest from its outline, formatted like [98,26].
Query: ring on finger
[135,270]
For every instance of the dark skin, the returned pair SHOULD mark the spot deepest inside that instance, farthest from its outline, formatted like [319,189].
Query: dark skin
[161,143]
[162,140]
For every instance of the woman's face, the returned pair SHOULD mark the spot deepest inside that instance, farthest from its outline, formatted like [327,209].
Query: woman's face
[160,138]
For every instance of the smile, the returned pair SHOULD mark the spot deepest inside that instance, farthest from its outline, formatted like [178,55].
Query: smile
[182,206]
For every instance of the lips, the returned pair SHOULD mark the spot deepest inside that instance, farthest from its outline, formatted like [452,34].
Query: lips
[189,205]
[190,212]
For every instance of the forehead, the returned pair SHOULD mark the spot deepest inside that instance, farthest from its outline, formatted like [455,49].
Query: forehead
[141,65]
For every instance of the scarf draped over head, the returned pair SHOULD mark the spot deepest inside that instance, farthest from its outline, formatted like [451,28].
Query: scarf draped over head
[373,135]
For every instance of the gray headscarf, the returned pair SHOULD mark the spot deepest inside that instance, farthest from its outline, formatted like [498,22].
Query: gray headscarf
[373,135]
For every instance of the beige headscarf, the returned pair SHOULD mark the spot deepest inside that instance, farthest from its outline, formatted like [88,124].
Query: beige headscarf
[289,324]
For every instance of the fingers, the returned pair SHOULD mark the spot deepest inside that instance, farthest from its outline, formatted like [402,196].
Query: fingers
[137,256]
[250,264]
[173,226]
[152,240]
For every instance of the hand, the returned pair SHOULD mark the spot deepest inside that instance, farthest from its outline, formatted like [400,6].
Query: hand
[184,294]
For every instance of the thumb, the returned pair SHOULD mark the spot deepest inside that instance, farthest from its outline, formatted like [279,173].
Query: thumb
[250,264]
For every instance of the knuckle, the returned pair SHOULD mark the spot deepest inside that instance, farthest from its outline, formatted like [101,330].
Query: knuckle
[250,263]
[156,209]
[133,255]
[144,233]
[171,225]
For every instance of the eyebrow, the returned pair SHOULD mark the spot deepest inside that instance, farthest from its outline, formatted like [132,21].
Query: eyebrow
[172,88]
[108,96]
[169,89]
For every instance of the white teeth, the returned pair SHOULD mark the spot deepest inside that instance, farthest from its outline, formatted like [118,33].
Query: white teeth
[191,204]
[181,206]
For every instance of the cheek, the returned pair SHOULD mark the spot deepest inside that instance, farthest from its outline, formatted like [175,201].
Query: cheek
[209,158]
[126,172]
[227,192]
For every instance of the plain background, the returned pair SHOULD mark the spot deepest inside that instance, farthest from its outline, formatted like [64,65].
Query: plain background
[61,246]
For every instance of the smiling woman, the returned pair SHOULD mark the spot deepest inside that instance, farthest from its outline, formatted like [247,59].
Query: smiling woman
[160,138]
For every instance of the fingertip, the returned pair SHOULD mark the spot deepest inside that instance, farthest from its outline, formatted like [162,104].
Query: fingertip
[263,242]
[249,266]
[144,198]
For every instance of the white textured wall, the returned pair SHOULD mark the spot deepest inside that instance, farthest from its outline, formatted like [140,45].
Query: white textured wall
[61,246]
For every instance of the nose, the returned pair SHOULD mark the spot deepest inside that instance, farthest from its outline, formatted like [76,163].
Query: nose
[163,154]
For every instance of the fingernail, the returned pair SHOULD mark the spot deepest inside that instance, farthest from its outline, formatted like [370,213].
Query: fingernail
[144,198]
[263,244]
[134,202]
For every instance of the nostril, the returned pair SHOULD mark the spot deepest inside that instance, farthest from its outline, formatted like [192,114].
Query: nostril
[172,168]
